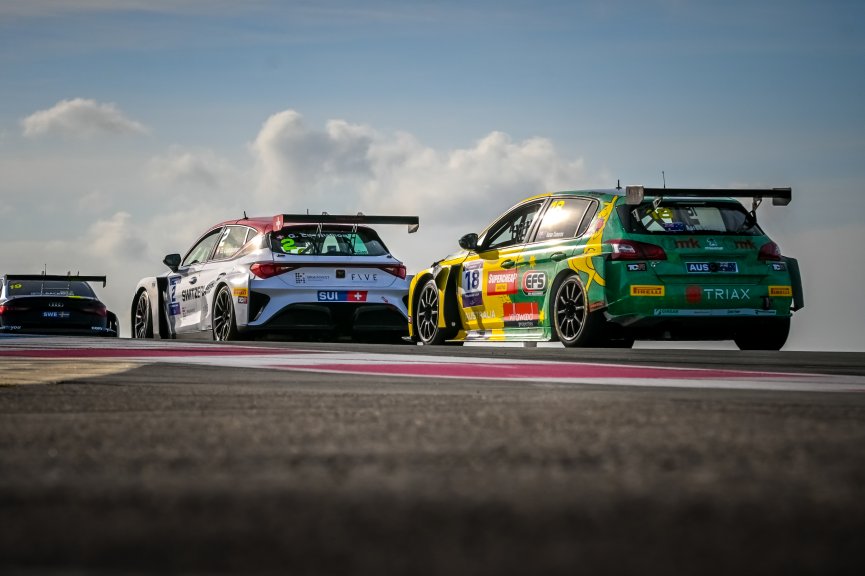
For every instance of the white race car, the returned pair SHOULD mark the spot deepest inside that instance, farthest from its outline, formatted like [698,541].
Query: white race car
[296,275]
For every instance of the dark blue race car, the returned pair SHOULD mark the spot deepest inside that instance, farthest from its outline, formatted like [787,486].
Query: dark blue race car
[45,304]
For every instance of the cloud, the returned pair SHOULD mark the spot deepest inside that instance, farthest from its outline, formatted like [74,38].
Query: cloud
[80,118]
[354,167]
[202,168]
[293,160]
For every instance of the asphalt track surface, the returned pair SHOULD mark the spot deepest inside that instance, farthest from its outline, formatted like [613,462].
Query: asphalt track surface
[118,457]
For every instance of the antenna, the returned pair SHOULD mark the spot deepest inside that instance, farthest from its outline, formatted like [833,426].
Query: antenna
[245,217]
[618,184]
[664,178]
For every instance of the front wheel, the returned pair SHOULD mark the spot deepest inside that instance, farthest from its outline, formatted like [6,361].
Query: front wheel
[224,323]
[142,320]
[574,325]
[426,316]
[768,335]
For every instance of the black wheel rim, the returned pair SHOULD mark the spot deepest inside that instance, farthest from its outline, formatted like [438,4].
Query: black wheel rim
[428,313]
[222,315]
[570,310]
[142,316]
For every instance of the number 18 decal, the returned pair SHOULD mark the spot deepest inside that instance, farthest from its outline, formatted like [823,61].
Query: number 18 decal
[472,291]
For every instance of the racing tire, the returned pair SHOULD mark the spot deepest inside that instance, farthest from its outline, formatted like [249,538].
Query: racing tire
[768,335]
[426,316]
[142,319]
[224,323]
[573,324]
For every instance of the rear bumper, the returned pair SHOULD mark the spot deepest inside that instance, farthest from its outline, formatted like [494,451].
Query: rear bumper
[344,319]
[58,331]
[697,324]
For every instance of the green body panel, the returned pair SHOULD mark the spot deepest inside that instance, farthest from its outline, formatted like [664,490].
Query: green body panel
[506,294]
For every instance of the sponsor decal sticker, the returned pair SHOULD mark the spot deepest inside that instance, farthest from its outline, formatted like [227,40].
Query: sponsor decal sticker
[54,314]
[647,290]
[714,312]
[779,266]
[311,278]
[726,293]
[693,294]
[638,267]
[712,244]
[745,245]
[689,243]
[707,267]
[173,304]
[501,282]
[192,293]
[521,314]
[482,315]
[781,291]
[240,292]
[341,296]
[534,282]
[470,284]
[364,277]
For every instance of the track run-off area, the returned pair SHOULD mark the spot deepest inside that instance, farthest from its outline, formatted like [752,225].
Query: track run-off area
[122,456]
[475,363]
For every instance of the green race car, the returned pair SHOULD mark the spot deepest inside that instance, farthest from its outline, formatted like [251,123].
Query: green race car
[606,267]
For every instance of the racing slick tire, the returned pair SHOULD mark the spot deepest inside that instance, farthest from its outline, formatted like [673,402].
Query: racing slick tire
[573,324]
[142,318]
[768,335]
[426,316]
[224,323]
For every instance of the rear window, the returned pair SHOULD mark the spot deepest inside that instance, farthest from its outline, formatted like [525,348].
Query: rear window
[311,241]
[48,288]
[691,217]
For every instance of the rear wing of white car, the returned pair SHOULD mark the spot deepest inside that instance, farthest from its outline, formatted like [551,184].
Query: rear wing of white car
[413,222]
[780,196]
[57,278]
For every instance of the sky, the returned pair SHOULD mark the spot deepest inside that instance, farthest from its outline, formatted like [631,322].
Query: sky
[128,127]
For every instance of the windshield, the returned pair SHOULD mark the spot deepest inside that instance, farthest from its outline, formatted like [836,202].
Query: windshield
[331,241]
[689,217]
[49,288]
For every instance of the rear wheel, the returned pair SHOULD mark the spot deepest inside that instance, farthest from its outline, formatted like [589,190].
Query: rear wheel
[574,325]
[768,335]
[142,321]
[426,316]
[224,323]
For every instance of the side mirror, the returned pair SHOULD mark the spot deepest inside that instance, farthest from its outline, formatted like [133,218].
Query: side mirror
[469,241]
[172,261]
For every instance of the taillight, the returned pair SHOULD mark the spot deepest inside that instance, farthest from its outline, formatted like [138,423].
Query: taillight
[7,308]
[397,270]
[269,269]
[99,310]
[633,250]
[769,251]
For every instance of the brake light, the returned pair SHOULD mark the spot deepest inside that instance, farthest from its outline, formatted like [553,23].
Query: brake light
[769,251]
[6,308]
[96,309]
[270,269]
[397,270]
[633,250]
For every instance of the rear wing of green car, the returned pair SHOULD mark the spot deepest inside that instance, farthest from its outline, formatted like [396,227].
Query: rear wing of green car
[57,278]
[413,222]
[780,196]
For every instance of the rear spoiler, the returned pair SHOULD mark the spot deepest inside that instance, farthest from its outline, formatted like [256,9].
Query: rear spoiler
[413,222]
[779,196]
[57,278]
